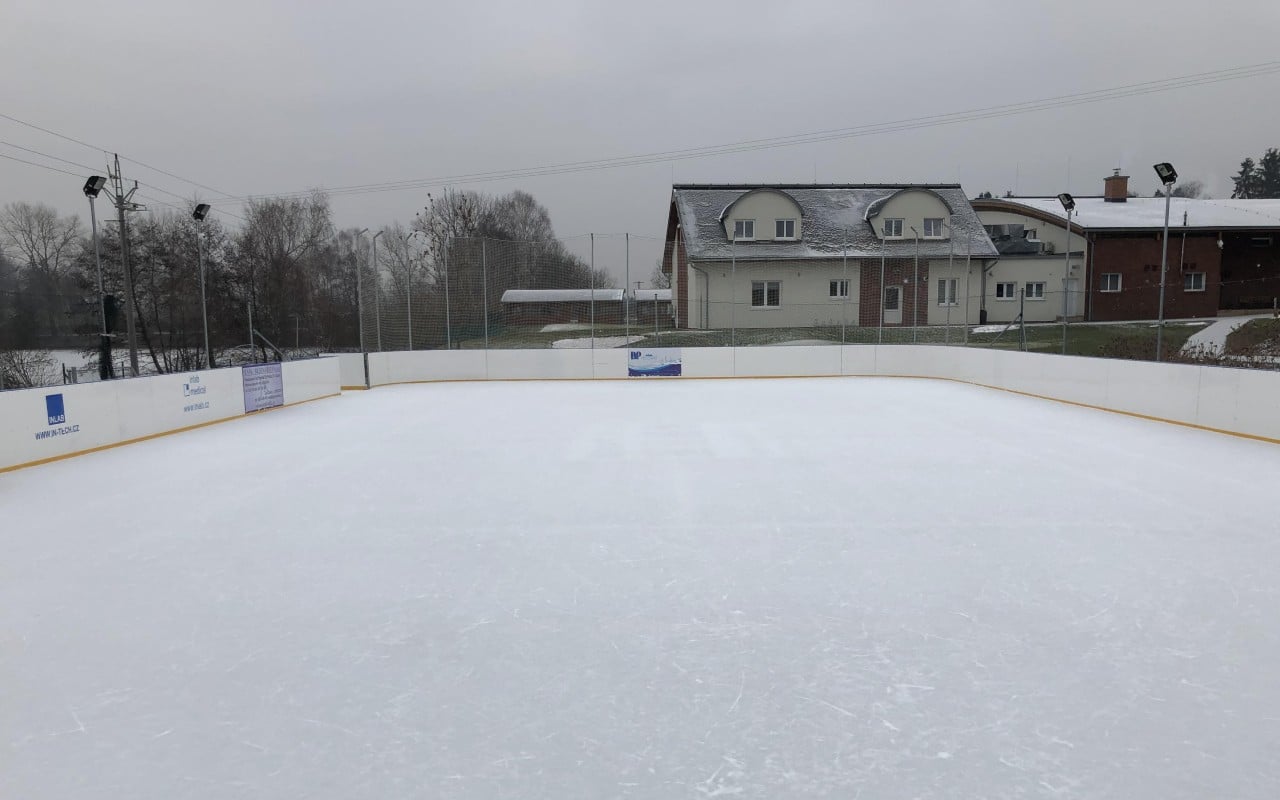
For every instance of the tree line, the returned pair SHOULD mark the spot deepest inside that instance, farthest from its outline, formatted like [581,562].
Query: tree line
[287,267]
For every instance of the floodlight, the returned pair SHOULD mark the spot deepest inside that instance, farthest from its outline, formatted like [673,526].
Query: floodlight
[200,212]
[1166,172]
[1068,202]
[94,185]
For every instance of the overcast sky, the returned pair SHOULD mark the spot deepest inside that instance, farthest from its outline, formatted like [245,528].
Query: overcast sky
[281,95]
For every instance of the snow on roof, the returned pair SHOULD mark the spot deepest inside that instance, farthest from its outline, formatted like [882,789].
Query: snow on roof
[1148,212]
[650,295]
[834,223]
[561,295]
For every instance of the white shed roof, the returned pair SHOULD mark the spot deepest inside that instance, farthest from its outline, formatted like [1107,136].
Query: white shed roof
[650,295]
[561,295]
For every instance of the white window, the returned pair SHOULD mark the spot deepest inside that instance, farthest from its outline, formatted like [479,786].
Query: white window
[933,228]
[838,290]
[1006,291]
[1193,281]
[766,294]
[947,292]
[1110,282]
[784,229]
[744,229]
[1035,290]
[893,229]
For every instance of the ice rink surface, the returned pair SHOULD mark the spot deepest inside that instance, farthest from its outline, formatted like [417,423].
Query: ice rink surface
[874,588]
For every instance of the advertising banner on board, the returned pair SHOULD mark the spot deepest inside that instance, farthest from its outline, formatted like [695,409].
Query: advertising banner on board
[263,386]
[661,362]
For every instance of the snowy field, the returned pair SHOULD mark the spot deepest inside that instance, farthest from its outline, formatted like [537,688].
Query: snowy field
[844,588]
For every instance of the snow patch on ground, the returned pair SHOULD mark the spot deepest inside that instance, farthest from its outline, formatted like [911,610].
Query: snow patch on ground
[599,342]
[1213,339]
[565,326]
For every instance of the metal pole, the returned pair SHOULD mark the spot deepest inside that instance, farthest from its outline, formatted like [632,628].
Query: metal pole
[484,288]
[1164,263]
[121,202]
[297,334]
[733,293]
[249,305]
[626,306]
[915,293]
[880,334]
[844,286]
[377,287]
[591,281]
[968,282]
[204,307]
[448,332]
[104,356]
[1022,318]
[1066,271]
[408,290]
[355,258]
[951,272]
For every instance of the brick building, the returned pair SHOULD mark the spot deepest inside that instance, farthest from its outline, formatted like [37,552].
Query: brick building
[1223,254]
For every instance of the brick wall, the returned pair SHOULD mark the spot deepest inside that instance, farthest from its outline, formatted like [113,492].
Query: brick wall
[1250,269]
[1136,257]
[897,272]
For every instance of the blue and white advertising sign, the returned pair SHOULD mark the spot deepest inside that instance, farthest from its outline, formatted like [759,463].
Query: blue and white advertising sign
[663,362]
[193,388]
[55,408]
[263,386]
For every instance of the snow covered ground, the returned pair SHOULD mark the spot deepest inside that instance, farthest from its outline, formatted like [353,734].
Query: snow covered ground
[657,589]
[587,342]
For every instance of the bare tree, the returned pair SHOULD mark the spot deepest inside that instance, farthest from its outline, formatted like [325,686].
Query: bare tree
[45,245]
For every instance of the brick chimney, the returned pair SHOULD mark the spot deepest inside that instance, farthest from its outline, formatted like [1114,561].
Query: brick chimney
[1116,188]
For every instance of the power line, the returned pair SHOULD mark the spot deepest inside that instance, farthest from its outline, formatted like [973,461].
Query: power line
[105,151]
[42,166]
[913,123]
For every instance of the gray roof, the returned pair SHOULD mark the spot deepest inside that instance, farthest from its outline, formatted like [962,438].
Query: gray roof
[835,218]
[562,295]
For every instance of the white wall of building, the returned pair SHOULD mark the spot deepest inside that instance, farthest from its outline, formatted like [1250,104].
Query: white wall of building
[766,208]
[1054,237]
[913,206]
[720,294]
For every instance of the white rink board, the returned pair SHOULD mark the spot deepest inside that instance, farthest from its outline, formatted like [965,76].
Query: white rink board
[905,589]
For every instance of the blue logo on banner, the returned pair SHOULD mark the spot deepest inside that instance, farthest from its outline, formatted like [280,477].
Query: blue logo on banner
[57,412]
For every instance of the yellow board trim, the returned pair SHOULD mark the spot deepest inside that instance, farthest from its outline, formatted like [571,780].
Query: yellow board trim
[150,436]
[1252,436]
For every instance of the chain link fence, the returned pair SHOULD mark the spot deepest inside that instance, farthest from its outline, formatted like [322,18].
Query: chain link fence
[590,292]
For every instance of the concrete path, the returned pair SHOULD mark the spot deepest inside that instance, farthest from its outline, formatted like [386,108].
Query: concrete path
[1213,339]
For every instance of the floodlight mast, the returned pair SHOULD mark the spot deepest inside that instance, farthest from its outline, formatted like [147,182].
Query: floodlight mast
[1069,205]
[1168,176]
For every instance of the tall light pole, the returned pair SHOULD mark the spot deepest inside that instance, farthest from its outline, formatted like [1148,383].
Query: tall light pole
[92,187]
[198,214]
[377,287]
[1069,204]
[1168,176]
[915,293]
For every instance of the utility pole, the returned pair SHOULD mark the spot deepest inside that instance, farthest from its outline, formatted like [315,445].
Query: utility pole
[124,202]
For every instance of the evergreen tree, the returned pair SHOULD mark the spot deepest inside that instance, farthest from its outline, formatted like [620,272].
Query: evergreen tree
[1246,182]
[1269,174]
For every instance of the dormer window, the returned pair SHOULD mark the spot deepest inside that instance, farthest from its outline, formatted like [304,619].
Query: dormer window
[933,228]
[893,229]
[784,229]
[744,230]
